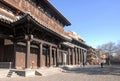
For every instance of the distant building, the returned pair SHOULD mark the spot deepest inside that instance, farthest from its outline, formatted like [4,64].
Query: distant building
[96,56]
[103,56]
[92,56]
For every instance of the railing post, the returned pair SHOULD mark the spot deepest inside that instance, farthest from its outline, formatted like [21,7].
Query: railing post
[10,65]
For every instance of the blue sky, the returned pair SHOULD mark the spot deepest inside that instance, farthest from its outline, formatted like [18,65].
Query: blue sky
[96,21]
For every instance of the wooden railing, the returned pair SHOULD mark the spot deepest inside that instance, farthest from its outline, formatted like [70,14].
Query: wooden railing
[37,14]
[7,65]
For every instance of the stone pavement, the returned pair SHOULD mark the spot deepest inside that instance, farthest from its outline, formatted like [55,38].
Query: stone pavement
[88,73]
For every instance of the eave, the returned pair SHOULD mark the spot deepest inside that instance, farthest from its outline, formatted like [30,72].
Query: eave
[53,11]
[29,18]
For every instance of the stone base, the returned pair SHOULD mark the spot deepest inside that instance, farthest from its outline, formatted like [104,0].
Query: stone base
[25,73]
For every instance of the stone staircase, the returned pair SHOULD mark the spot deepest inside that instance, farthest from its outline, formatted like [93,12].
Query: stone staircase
[12,73]
[44,71]
[7,73]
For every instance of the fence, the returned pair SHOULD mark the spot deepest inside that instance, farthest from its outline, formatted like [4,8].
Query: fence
[6,65]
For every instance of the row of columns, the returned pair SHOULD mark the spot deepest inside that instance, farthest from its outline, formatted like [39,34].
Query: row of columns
[53,53]
[76,56]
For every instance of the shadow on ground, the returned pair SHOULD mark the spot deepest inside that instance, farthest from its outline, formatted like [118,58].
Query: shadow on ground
[106,70]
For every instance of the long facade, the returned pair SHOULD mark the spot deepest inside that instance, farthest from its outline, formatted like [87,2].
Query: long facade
[32,35]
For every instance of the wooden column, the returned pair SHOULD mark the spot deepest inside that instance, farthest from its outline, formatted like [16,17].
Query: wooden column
[1,49]
[79,55]
[73,57]
[54,59]
[85,53]
[50,55]
[83,58]
[41,52]
[57,57]
[27,65]
[61,53]
[15,43]
[69,53]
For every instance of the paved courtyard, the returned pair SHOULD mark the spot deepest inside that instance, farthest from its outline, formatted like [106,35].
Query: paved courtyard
[88,73]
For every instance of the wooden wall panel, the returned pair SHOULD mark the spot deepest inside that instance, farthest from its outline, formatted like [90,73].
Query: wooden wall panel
[1,49]
[20,60]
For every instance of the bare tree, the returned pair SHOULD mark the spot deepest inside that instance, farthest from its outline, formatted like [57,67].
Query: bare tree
[109,48]
[118,51]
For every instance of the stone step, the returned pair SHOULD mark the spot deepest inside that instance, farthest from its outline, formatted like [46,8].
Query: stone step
[12,74]
[9,74]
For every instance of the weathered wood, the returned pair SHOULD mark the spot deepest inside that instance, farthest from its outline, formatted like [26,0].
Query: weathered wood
[80,47]
[73,57]
[44,42]
[57,57]
[76,55]
[15,46]
[42,18]
[27,54]
[50,55]
[69,53]
[54,58]
[4,36]
[41,52]
[79,56]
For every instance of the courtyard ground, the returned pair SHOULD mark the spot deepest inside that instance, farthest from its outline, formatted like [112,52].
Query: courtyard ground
[87,73]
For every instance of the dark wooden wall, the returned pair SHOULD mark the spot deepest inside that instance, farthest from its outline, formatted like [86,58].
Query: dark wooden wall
[1,49]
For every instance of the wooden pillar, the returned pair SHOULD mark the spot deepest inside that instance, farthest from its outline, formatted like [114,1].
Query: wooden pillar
[79,55]
[27,65]
[15,43]
[73,57]
[41,52]
[54,58]
[83,58]
[57,57]
[69,53]
[85,53]
[2,49]
[50,55]
[61,53]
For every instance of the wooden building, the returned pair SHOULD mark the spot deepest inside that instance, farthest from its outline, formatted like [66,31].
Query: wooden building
[32,35]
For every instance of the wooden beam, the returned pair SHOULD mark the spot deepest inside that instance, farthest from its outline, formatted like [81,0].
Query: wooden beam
[4,36]
[44,42]
[80,47]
